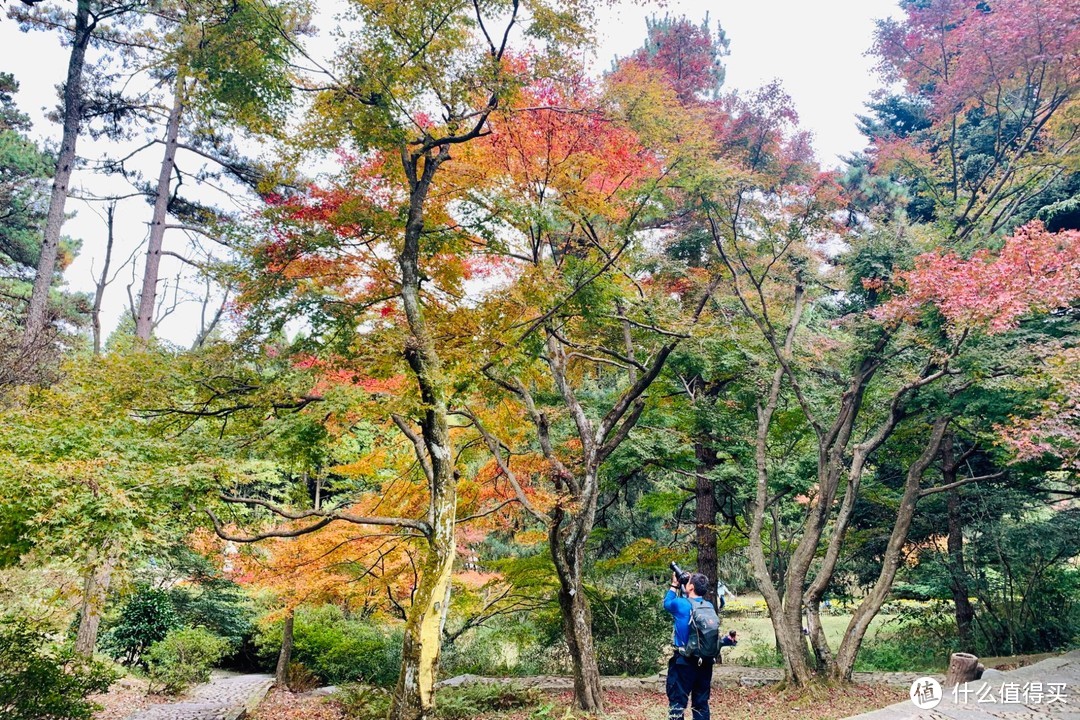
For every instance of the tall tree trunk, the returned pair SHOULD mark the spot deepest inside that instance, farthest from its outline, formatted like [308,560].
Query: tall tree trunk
[281,673]
[868,609]
[705,518]
[103,281]
[785,611]
[965,613]
[144,319]
[95,589]
[37,312]
[569,557]
[414,697]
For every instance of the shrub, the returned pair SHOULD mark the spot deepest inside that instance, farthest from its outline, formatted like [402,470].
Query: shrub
[469,701]
[363,702]
[495,648]
[631,631]
[219,607]
[919,639]
[40,681]
[336,649]
[299,679]
[146,618]
[183,658]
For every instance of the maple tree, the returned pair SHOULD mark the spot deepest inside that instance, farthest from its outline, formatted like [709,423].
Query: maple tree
[107,484]
[779,221]
[997,84]
[403,59]
[569,175]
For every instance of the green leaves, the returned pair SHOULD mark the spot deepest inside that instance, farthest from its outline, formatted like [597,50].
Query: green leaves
[242,58]
[38,680]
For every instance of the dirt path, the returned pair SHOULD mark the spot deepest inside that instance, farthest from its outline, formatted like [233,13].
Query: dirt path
[225,697]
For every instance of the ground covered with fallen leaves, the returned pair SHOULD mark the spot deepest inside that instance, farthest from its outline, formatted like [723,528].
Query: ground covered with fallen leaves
[126,695]
[765,703]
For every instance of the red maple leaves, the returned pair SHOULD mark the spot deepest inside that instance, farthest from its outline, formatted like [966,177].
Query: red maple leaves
[1036,271]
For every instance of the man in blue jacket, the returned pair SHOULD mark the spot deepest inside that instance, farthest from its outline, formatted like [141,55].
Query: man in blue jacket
[686,678]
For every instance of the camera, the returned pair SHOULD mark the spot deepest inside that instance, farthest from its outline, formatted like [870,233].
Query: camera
[681,575]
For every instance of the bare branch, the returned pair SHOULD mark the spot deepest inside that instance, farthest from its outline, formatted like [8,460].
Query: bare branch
[418,446]
[330,515]
[495,448]
[960,483]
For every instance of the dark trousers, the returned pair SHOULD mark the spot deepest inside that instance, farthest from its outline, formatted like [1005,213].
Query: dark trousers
[686,680]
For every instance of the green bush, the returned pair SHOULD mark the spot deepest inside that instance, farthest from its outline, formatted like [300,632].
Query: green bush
[183,658]
[336,649]
[219,607]
[40,681]
[146,618]
[1044,618]
[920,639]
[494,649]
[893,654]
[469,701]
[363,702]
[631,632]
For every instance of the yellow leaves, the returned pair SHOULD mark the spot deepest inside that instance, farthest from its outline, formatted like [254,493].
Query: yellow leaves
[367,466]
[342,563]
[530,537]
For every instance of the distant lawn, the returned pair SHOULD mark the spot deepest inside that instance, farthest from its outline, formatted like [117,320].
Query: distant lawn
[756,631]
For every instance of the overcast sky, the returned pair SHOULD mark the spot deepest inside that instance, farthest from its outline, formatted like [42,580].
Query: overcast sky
[817,49]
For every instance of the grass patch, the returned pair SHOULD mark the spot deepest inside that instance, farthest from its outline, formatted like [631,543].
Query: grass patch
[757,640]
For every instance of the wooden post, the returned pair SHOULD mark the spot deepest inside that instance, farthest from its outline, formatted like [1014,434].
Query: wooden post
[281,673]
[962,668]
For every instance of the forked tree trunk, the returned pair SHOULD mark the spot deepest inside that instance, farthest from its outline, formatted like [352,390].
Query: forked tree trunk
[281,673]
[871,604]
[577,618]
[95,589]
[144,320]
[37,312]
[785,612]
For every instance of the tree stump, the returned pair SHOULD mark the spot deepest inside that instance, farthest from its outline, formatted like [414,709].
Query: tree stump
[962,668]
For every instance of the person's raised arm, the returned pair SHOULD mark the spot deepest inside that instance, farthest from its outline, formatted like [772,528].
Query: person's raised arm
[671,595]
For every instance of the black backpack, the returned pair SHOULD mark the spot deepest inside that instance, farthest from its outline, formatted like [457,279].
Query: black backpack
[704,640]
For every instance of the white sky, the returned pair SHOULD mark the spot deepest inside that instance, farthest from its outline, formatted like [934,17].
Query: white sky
[817,49]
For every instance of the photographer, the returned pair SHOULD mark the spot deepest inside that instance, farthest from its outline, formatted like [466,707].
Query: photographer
[696,638]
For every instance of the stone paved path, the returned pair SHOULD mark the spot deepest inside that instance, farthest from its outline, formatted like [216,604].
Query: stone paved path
[1047,690]
[225,697]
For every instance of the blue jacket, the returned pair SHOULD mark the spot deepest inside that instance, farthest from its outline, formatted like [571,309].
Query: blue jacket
[680,608]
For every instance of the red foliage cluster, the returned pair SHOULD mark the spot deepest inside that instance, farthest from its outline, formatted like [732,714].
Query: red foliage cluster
[965,51]
[1035,271]
[330,375]
[559,136]
[759,130]
[686,54]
